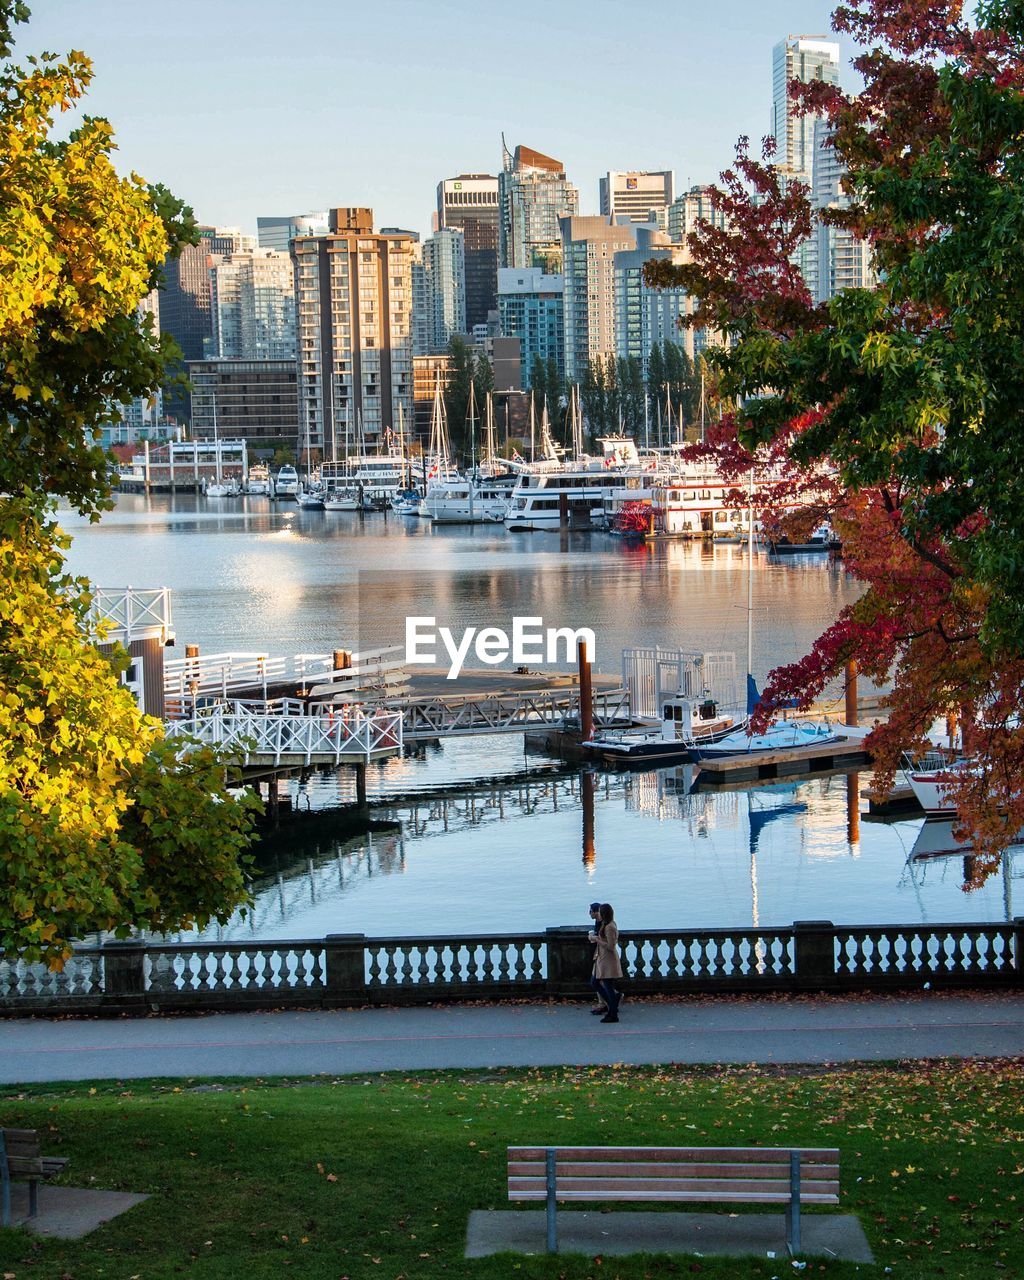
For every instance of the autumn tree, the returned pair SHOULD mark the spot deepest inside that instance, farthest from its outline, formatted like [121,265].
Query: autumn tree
[102,825]
[907,396]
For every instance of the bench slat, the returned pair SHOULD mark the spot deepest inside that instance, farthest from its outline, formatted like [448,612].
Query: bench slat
[597,1168]
[733,1155]
[21,1135]
[640,1185]
[727,1197]
[25,1166]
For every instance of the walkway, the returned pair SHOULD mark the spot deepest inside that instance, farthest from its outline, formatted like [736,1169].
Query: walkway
[824,1029]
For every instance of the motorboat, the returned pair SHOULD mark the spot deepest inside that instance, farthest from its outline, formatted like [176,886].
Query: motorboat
[286,482]
[311,499]
[685,726]
[257,482]
[787,735]
[931,778]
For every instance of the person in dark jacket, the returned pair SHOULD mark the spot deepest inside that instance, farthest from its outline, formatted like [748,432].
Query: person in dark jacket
[607,964]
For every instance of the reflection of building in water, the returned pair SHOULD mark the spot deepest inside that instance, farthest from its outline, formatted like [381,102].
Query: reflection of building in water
[665,794]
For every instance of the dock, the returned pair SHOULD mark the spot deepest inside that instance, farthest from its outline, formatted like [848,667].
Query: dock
[828,757]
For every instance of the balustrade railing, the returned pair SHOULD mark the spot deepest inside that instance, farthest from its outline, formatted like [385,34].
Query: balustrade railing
[346,969]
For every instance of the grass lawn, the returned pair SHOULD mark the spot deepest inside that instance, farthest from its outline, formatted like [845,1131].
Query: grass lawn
[374,1177]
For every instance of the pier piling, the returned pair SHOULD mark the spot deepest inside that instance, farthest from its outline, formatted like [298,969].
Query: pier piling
[586,693]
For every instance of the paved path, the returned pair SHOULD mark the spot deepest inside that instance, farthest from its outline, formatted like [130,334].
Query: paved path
[831,1029]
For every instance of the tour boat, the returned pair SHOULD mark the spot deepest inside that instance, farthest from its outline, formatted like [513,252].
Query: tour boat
[286,482]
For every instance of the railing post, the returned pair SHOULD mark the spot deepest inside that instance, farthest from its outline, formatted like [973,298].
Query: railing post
[814,953]
[570,960]
[123,970]
[346,967]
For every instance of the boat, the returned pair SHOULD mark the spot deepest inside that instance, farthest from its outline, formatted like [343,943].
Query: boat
[822,540]
[341,500]
[286,482]
[552,485]
[685,725]
[220,487]
[787,735]
[311,499]
[406,502]
[257,482]
[931,777]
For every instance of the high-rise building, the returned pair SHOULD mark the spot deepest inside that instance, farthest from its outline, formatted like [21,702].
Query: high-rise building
[646,317]
[444,273]
[842,260]
[142,416]
[589,246]
[808,59]
[532,309]
[252,299]
[354,330]
[638,195]
[689,208]
[251,400]
[533,196]
[185,308]
[469,203]
[278,233]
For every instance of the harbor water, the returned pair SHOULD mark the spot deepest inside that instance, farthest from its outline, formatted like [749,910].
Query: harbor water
[475,833]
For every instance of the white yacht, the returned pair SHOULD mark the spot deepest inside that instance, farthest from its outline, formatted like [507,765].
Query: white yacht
[470,500]
[257,483]
[581,485]
[286,482]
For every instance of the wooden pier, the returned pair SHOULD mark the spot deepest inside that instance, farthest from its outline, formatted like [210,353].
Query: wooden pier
[746,767]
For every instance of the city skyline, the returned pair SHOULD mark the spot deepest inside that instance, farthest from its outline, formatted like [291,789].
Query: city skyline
[243,115]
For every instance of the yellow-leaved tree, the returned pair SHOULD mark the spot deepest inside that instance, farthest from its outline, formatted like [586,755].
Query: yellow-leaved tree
[103,825]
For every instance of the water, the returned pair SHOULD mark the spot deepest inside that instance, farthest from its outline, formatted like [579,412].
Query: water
[477,834]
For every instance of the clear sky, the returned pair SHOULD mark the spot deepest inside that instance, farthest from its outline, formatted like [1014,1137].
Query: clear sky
[249,107]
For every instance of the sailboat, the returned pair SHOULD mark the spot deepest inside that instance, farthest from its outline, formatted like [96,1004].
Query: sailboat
[438,471]
[341,497]
[218,489]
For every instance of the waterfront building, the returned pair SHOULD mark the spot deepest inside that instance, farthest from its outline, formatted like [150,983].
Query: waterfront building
[639,195]
[688,209]
[185,304]
[252,300]
[469,203]
[589,246]
[646,317]
[534,195]
[278,233]
[444,279]
[354,293]
[254,400]
[532,308]
[808,59]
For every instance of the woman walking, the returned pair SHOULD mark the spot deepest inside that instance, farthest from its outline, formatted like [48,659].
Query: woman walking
[607,965]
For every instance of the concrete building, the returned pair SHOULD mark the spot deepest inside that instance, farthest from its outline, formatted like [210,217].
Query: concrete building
[689,208]
[532,308]
[185,305]
[444,278]
[354,295]
[646,317]
[143,417]
[426,370]
[252,299]
[589,246]
[639,195]
[534,194]
[278,233]
[469,203]
[253,400]
[842,260]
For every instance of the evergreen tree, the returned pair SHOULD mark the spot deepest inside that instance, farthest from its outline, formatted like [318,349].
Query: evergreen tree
[456,395]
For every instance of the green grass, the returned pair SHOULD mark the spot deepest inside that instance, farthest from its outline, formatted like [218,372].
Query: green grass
[374,1177]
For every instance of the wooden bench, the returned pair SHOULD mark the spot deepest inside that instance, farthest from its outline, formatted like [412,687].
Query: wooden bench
[724,1175]
[21,1160]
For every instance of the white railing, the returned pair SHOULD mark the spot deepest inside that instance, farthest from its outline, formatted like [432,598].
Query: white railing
[219,674]
[332,736]
[130,614]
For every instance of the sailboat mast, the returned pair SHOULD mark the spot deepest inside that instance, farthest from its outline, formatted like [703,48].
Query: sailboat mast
[533,432]
[750,576]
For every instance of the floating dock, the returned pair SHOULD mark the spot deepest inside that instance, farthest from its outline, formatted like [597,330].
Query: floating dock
[752,766]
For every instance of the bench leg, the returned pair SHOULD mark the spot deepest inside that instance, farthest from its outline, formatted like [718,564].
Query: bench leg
[793,1208]
[552,1204]
[5,1185]
[33,1197]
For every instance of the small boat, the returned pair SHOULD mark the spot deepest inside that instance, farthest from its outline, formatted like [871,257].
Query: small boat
[311,499]
[821,540]
[219,490]
[341,500]
[684,728]
[406,502]
[930,779]
[787,735]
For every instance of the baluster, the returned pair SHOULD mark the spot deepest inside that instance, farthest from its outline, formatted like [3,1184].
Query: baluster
[423,969]
[485,965]
[504,970]
[317,975]
[390,965]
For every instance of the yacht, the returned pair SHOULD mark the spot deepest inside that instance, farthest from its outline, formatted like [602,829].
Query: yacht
[579,485]
[470,499]
[258,481]
[286,482]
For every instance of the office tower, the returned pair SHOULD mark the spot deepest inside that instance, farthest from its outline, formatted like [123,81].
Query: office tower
[533,196]
[252,299]
[469,203]
[532,308]
[589,246]
[252,400]
[185,309]
[842,259]
[805,58]
[444,273]
[639,195]
[278,233]
[687,209]
[141,416]
[354,330]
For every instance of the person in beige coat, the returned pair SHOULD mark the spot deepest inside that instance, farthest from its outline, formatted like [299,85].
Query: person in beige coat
[607,964]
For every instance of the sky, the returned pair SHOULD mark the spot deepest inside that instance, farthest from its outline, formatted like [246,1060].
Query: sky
[252,107]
